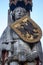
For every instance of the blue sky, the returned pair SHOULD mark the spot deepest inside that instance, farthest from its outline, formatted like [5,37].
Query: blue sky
[36,14]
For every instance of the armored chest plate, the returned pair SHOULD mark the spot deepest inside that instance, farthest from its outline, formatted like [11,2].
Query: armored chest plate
[27,29]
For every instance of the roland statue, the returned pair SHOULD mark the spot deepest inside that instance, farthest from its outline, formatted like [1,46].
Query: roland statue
[13,49]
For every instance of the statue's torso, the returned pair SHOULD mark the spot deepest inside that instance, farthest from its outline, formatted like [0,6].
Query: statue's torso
[22,50]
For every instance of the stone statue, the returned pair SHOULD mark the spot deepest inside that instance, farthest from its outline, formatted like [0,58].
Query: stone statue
[25,53]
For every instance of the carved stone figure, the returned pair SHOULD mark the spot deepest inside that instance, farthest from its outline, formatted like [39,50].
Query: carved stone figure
[17,51]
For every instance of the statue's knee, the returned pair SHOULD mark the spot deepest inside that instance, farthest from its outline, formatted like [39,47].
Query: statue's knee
[13,63]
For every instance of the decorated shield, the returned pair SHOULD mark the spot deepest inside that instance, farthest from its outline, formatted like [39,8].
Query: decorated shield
[27,29]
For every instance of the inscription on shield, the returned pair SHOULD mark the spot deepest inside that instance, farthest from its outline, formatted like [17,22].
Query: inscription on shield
[27,29]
